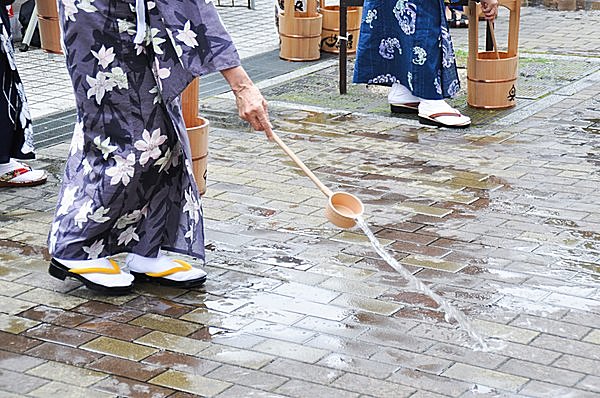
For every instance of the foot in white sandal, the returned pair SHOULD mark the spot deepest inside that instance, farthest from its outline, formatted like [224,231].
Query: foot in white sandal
[17,174]
[102,275]
[401,100]
[165,271]
[439,113]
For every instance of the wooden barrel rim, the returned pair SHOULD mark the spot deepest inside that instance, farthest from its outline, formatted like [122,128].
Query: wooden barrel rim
[299,36]
[491,81]
[199,157]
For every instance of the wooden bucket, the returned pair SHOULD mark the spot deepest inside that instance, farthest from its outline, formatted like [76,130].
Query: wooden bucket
[49,26]
[300,33]
[491,75]
[198,136]
[197,130]
[331,29]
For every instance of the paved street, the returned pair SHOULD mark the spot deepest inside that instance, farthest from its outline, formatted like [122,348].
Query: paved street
[501,220]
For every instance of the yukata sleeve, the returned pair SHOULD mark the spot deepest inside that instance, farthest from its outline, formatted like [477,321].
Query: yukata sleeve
[198,38]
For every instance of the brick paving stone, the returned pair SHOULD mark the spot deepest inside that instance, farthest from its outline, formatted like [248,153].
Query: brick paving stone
[62,353]
[240,391]
[549,326]
[52,299]
[118,348]
[108,311]
[450,352]
[593,337]
[15,324]
[578,364]
[159,306]
[247,377]
[58,389]
[123,387]
[181,362]
[165,324]
[13,306]
[194,384]
[19,382]
[391,338]
[66,373]
[302,371]
[486,377]
[567,346]
[12,289]
[281,332]
[372,387]
[17,343]
[59,334]
[172,342]
[55,316]
[234,356]
[340,345]
[125,368]
[116,330]
[505,332]
[17,362]
[540,389]
[304,389]
[425,363]
[431,383]
[374,369]
[540,372]
[590,383]
[289,350]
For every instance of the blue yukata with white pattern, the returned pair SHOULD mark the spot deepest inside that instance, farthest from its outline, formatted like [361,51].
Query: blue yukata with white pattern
[407,42]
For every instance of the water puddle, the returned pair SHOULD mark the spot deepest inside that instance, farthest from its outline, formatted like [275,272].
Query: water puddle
[449,311]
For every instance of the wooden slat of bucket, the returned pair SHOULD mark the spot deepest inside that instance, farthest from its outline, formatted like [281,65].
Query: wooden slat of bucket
[189,103]
[300,33]
[331,28]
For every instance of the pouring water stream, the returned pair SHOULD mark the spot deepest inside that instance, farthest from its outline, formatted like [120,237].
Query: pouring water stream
[449,311]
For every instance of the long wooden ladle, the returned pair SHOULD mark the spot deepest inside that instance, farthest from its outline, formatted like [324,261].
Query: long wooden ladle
[342,208]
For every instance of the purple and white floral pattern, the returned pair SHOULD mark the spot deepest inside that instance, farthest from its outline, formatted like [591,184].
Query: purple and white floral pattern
[127,184]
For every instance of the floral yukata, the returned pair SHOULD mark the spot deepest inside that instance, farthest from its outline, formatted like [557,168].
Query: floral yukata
[407,42]
[128,184]
[16,133]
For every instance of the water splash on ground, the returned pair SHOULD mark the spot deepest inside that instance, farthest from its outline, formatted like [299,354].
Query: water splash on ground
[449,311]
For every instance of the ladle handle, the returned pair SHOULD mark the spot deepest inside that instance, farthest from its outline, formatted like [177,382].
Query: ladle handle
[300,164]
[493,36]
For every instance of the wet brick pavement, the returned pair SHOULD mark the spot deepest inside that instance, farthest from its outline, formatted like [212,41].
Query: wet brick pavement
[500,219]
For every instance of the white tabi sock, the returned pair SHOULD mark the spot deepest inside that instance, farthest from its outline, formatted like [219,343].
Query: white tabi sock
[400,94]
[431,107]
[143,265]
[108,280]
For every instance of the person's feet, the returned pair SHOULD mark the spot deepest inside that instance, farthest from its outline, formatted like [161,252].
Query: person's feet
[102,275]
[17,174]
[401,100]
[165,271]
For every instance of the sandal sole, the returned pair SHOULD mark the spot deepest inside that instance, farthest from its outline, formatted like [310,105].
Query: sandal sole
[61,272]
[140,277]
[395,108]
[432,122]
[5,184]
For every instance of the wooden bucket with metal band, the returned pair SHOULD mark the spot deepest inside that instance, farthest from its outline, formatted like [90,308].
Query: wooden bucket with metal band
[47,11]
[331,29]
[492,75]
[197,130]
[300,32]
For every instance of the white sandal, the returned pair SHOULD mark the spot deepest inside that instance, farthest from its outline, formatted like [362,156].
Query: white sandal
[101,275]
[165,271]
[23,176]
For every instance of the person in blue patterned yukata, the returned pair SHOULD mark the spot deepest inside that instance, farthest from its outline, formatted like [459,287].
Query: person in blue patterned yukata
[128,185]
[16,132]
[406,44]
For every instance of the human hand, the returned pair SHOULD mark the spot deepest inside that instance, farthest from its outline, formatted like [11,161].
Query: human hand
[252,107]
[489,8]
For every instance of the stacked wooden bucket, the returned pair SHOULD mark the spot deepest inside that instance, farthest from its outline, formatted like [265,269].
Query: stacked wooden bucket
[300,32]
[49,26]
[330,41]
[492,75]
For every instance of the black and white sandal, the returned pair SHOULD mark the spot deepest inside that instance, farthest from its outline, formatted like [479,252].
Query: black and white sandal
[60,271]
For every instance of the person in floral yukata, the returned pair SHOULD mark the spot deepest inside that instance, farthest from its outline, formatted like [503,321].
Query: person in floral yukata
[16,132]
[128,184]
[406,44]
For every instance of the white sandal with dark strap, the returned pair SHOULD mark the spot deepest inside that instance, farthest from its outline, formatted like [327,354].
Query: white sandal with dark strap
[23,176]
[101,275]
[165,271]
[446,119]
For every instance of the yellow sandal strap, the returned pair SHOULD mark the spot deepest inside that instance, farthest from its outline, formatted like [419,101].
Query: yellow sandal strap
[98,270]
[183,266]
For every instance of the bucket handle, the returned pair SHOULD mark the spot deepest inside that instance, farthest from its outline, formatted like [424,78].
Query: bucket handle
[493,36]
